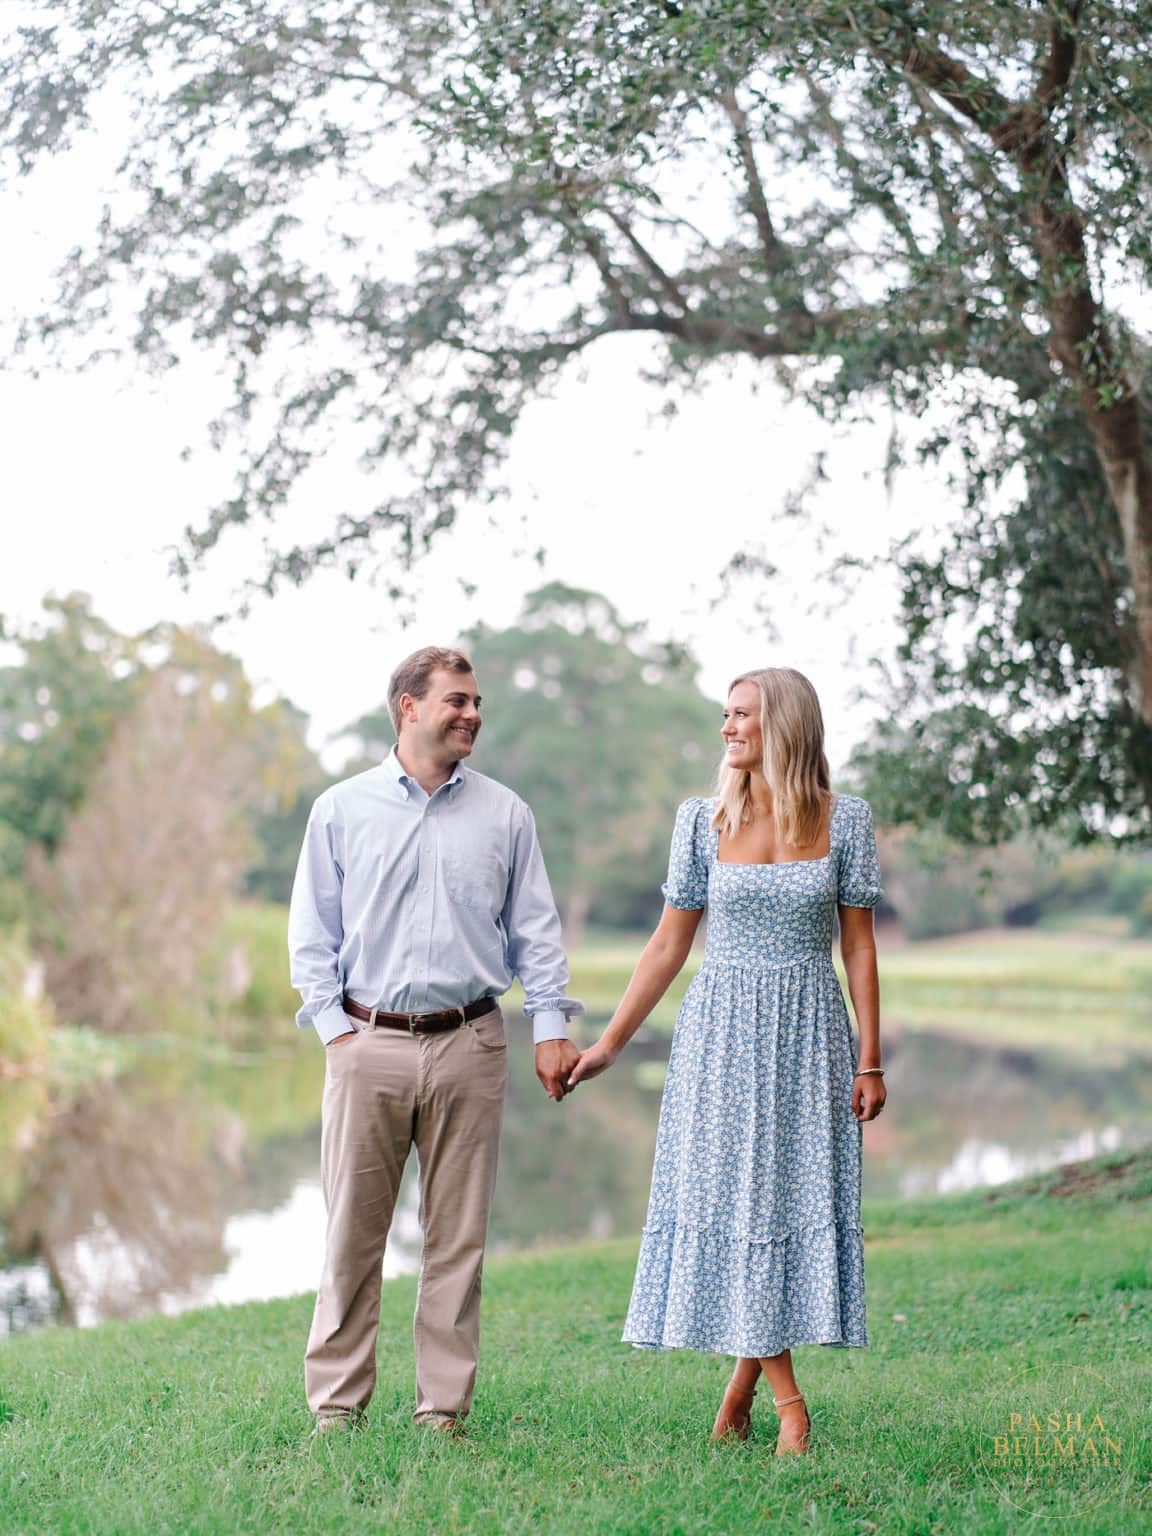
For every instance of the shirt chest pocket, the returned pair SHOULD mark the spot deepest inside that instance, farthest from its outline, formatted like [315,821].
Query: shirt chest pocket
[476,881]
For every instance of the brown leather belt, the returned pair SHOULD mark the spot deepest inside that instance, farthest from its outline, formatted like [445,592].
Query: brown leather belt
[420,1023]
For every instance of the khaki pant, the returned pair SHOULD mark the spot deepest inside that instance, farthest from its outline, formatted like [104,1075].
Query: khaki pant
[383,1092]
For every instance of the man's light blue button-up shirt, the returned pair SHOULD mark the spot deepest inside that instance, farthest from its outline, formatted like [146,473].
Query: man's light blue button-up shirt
[412,902]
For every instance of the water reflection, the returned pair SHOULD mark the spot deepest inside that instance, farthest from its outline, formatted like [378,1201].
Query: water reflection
[126,1197]
[187,1183]
[967,1116]
[977,1164]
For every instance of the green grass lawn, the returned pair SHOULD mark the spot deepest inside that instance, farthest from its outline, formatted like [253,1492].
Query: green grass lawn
[196,1424]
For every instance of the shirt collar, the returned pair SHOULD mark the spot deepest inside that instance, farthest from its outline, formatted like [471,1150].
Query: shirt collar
[395,770]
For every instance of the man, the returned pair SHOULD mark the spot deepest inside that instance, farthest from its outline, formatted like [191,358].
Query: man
[420,894]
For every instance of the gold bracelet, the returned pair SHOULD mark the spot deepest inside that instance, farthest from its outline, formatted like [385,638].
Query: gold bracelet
[865,1070]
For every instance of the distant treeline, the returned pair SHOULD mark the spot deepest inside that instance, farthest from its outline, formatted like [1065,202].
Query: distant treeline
[142,789]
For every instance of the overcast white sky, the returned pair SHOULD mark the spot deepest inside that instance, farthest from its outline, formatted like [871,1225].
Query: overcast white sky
[643,509]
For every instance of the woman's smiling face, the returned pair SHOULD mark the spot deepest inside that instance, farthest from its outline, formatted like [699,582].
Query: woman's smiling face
[743,738]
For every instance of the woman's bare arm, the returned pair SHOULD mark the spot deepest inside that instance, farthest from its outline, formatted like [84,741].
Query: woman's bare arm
[659,964]
[858,951]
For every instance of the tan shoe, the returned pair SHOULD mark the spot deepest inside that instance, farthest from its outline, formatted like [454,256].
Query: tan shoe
[800,1446]
[451,1424]
[334,1423]
[734,1421]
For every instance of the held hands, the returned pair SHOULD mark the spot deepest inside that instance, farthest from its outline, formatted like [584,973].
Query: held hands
[596,1059]
[560,1066]
[554,1062]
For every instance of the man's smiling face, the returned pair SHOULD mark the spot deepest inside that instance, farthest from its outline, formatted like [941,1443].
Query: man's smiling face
[445,723]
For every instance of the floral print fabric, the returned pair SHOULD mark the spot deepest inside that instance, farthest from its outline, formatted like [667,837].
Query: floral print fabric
[753,1240]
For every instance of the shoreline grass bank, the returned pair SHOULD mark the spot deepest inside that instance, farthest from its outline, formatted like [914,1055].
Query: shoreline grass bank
[196,1424]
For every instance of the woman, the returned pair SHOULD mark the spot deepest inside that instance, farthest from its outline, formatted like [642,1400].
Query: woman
[753,1241]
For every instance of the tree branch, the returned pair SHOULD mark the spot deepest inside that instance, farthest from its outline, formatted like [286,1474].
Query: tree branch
[938,181]
[711,332]
[777,257]
[1012,126]
[974,98]
[649,262]
[881,197]
[352,77]
[585,235]
[1062,43]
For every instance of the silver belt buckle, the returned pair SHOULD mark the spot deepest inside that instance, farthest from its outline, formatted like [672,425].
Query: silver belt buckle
[412,1017]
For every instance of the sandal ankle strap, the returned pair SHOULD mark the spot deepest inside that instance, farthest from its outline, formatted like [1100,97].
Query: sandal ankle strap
[782,1402]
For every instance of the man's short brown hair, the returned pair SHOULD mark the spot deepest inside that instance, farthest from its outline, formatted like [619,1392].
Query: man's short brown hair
[414,673]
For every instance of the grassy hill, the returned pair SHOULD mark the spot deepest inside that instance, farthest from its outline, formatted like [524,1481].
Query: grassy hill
[196,1424]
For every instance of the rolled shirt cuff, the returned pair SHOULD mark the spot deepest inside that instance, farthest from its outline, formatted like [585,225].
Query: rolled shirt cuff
[332,1021]
[549,1024]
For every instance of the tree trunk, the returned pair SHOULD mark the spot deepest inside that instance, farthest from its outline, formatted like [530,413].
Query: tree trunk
[1081,344]
[1129,479]
[1023,132]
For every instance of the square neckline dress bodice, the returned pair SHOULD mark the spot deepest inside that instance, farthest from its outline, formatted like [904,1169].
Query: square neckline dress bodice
[752,1241]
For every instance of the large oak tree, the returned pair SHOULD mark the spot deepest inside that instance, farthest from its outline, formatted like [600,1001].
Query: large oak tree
[939,205]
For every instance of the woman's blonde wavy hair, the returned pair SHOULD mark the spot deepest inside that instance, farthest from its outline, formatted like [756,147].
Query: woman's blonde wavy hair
[793,760]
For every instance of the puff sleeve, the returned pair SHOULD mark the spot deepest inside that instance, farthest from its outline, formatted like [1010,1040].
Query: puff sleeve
[859,876]
[686,887]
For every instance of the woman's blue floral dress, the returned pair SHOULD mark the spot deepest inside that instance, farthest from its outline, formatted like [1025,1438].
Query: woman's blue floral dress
[753,1240]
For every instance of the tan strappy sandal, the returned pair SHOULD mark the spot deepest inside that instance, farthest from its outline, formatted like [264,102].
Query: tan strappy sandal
[801,1447]
[734,1421]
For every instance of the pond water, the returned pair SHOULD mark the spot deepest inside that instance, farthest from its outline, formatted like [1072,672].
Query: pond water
[190,1182]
